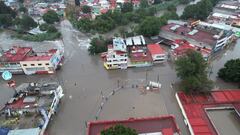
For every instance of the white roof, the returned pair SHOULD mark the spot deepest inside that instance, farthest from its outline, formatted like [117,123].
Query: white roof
[229,6]
[129,41]
[31,131]
[137,40]
[143,40]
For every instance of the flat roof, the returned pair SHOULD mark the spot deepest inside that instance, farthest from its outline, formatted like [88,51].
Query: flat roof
[164,124]
[194,108]
[221,118]
[16,54]
[31,131]
[200,36]
[155,49]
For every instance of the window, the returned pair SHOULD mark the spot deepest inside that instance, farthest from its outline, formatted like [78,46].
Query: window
[24,65]
[47,64]
[39,64]
[32,64]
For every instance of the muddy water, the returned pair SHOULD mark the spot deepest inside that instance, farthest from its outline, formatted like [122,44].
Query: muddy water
[225,121]
[180,8]
[81,101]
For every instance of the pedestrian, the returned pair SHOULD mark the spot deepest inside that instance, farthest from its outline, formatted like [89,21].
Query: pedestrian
[75,83]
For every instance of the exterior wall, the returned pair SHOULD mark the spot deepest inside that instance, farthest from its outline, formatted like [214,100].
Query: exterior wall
[158,58]
[115,61]
[56,58]
[32,67]
[13,67]
[223,42]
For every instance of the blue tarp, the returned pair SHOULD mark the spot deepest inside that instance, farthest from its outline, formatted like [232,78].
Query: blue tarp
[4,131]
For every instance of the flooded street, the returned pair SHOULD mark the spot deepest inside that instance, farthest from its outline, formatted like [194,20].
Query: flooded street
[82,101]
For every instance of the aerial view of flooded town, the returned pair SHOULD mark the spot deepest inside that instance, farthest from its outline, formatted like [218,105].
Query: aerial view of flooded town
[119,67]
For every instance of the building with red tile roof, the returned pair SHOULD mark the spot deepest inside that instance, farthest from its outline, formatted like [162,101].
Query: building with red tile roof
[195,109]
[20,60]
[164,125]
[158,54]
[182,46]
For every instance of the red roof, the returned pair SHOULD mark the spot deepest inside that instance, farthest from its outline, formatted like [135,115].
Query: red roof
[16,54]
[164,124]
[155,49]
[41,57]
[103,11]
[194,107]
[200,36]
[182,49]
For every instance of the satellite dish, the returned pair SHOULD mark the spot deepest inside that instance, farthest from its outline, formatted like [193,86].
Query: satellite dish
[6,75]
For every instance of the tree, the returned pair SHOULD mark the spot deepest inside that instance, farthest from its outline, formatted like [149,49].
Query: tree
[231,71]
[21,1]
[52,29]
[98,45]
[149,27]
[26,22]
[6,10]
[22,9]
[144,4]
[86,9]
[127,7]
[200,10]
[191,69]
[84,24]
[119,130]
[184,1]
[5,20]
[51,17]
[44,27]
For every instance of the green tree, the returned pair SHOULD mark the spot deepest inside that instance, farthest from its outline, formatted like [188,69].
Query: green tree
[198,11]
[144,4]
[23,9]
[191,69]
[6,10]
[119,130]
[27,23]
[44,27]
[52,29]
[5,20]
[98,45]
[86,9]
[126,7]
[84,24]
[149,27]
[184,1]
[231,71]
[51,17]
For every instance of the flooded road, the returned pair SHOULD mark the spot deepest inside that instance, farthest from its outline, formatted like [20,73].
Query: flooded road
[82,101]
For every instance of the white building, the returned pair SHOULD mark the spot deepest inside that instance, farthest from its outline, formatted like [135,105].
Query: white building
[116,56]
